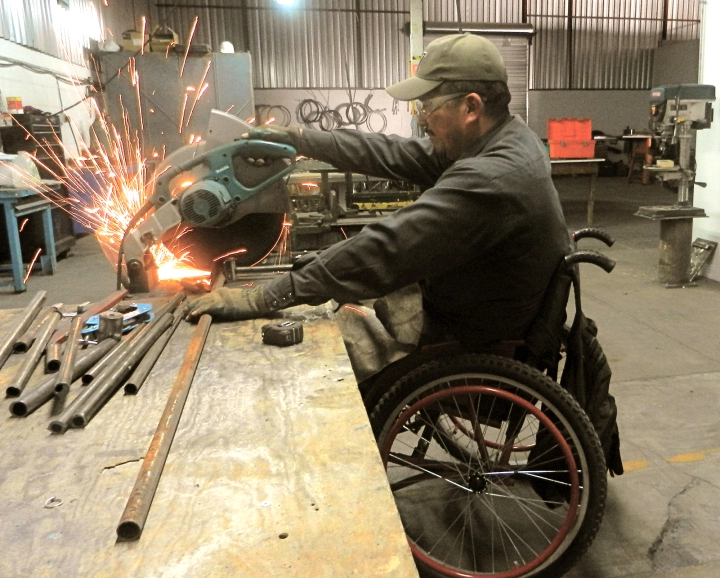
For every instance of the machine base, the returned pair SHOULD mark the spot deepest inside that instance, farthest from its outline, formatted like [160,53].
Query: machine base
[659,212]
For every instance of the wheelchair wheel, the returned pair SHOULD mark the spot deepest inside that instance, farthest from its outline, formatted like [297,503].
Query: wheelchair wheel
[520,493]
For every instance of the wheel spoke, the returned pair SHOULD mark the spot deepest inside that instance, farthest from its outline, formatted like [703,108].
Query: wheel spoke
[477,431]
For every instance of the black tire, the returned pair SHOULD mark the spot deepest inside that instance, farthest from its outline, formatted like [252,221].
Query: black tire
[529,502]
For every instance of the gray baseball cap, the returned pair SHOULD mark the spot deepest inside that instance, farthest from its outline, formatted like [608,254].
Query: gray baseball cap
[454,57]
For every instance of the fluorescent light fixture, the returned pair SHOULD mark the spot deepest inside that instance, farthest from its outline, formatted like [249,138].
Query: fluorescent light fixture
[287,3]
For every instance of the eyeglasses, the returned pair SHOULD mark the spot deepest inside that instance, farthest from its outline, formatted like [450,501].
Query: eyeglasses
[430,106]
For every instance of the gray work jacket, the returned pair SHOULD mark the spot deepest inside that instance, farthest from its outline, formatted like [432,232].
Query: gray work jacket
[483,240]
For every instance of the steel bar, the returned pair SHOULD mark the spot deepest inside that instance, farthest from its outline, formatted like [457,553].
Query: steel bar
[20,325]
[26,369]
[53,357]
[25,341]
[138,377]
[106,386]
[67,365]
[46,389]
[60,424]
[95,309]
[136,511]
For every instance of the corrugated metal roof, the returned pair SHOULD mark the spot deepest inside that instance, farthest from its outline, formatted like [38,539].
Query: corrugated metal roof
[48,27]
[321,43]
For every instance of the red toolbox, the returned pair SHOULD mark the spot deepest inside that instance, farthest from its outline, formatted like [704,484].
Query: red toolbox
[570,138]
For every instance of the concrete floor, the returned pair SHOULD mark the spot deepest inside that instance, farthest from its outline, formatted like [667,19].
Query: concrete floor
[663,515]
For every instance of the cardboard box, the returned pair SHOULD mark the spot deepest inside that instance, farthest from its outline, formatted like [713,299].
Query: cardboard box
[163,38]
[132,40]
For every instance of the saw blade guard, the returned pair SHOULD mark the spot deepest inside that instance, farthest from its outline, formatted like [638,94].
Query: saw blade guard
[213,203]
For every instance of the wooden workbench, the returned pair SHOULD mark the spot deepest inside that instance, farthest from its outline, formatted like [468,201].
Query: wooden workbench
[272,441]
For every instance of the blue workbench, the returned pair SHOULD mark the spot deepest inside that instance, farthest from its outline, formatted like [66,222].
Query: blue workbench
[10,199]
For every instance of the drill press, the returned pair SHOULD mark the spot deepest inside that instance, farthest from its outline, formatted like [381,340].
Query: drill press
[675,112]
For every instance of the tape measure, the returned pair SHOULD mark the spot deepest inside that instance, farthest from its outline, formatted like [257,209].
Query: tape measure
[282,334]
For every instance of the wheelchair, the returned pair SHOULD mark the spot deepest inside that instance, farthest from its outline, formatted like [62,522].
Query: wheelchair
[495,468]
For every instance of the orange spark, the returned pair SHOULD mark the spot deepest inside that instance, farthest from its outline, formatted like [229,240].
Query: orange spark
[229,109]
[142,36]
[230,254]
[187,46]
[22,225]
[351,308]
[30,266]
[182,114]
[270,120]
[199,94]
[343,232]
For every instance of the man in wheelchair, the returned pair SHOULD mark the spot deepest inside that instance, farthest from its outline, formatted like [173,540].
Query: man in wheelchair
[482,241]
[496,469]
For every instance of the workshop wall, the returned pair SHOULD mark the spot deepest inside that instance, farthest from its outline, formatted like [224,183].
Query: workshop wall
[43,91]
[708,140]
[676,63]
[610,110]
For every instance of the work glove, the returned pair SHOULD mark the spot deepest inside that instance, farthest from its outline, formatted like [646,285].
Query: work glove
[230,304]
[288,135]
[280,134]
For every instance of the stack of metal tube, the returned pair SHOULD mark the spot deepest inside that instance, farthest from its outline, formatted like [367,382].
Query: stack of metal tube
[103,365]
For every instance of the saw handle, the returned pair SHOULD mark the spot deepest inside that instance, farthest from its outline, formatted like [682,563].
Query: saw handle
[220,162]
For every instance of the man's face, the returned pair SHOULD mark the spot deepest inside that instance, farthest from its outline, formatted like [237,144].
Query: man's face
[440,118]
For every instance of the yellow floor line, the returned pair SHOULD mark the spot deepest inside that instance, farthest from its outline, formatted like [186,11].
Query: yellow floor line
[691,456]
[632,465]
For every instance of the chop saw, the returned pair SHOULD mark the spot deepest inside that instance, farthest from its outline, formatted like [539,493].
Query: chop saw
[209,203]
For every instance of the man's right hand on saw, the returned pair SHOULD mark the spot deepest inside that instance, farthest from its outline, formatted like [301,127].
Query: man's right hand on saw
[289,135]
[230,304]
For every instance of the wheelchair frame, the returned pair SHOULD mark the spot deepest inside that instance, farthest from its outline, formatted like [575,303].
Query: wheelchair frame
[495,468]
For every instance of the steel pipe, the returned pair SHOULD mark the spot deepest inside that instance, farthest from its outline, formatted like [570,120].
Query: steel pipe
[60,424]
[67,365]
[96,370]
[26,369]
[20,325]
[136,511]
[46,389]
[93,373]
[53,357]
[138,377]
[106,386]
[25,341]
